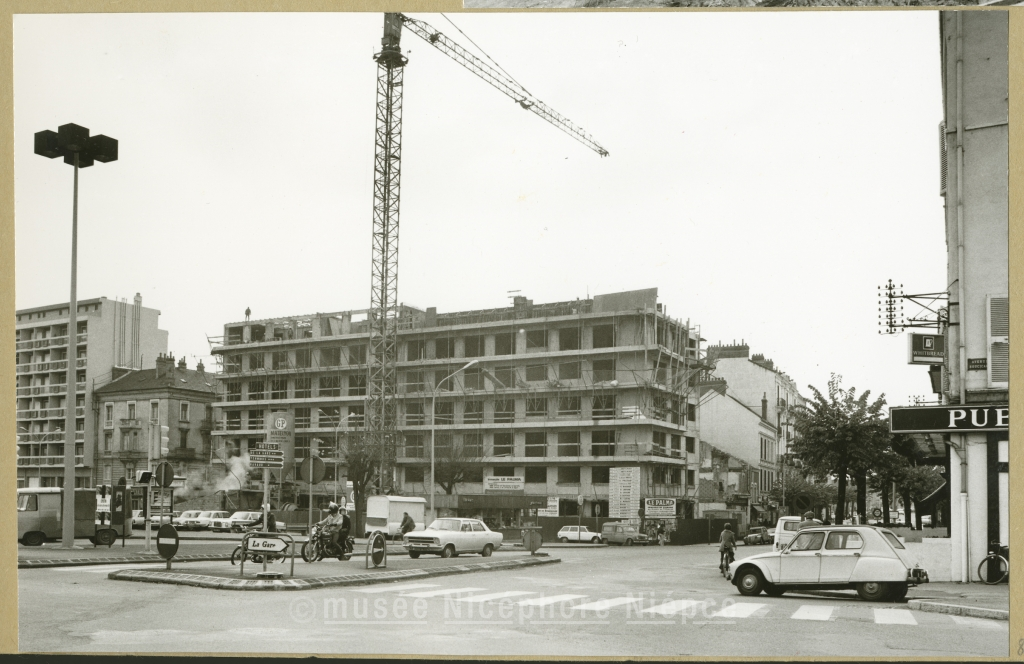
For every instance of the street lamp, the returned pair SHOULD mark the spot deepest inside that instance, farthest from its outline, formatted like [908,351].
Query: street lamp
[335,455]
[79,150]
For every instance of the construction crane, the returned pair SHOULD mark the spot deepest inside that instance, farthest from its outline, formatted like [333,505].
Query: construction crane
[380,401]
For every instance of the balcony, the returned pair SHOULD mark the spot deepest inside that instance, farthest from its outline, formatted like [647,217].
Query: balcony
[48,437]
[181,454]
[130,423]
[131,455]
[52,460]
[206,424]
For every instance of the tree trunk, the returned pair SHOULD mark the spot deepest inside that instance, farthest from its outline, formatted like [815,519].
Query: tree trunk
[885,505]
[917,515]
[841,497]
[862,496]
[357,520]
[906,510]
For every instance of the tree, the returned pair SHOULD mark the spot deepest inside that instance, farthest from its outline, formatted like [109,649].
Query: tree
[839,435]
[919,482]
[361,462]
[454,461]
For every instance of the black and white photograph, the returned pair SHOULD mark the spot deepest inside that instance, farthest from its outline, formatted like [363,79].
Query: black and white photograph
[508,335]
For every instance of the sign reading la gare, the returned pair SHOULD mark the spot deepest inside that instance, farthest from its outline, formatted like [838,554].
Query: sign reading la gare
[950,419]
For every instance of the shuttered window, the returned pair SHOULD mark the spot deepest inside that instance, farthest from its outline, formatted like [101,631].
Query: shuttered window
[998,341]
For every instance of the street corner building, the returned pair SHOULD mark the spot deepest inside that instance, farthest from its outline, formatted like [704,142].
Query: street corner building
[113,337]
[578,409]
[968,433]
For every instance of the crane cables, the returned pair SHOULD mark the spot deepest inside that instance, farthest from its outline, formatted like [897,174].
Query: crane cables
[501,80]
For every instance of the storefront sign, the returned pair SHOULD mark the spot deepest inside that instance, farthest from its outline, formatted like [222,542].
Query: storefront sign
[552,508]
[925,348]
[659,508]
[977,363]
[623,492]
[950,419]
[504,484]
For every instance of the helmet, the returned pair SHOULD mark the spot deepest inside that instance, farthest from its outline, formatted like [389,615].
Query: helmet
[728,527]
[333,507]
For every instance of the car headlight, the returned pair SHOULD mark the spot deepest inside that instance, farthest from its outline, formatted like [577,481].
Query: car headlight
[437,541]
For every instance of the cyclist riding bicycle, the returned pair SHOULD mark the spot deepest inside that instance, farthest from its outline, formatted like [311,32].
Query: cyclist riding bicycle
[727,546]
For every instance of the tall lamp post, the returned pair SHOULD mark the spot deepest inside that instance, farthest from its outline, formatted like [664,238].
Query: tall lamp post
[79,150]
[433,419]
[336,450]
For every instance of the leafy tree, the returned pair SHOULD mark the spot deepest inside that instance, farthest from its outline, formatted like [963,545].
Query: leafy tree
[453,461]
[839,435]
[361,464]
[918,482]
[889,469]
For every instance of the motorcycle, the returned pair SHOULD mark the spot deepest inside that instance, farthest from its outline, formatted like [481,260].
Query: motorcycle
[319,546]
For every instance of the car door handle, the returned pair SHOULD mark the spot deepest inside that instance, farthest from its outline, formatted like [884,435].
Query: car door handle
[817,554]
[856,553]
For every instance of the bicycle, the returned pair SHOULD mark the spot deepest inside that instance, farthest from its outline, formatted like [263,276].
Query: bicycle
[239,554]
[995,567]
[728,557]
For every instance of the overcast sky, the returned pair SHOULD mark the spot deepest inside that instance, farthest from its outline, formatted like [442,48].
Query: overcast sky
[767,172]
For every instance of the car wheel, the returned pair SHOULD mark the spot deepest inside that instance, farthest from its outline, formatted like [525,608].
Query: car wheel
[873,591]
[750,582]
[33,539]
[773,590]
[414,554]
[105,537]
[628,542]
[448,551]
[488,550]
[563,540]
[898,591]
[596,540]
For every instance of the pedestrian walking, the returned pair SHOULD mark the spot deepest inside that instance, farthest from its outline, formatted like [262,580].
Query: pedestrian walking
[808,521]
[661,533]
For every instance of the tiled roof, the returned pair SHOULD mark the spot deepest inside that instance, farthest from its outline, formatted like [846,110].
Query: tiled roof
[176,378]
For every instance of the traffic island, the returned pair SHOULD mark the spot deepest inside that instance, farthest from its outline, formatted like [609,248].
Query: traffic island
[113,560]
[228,579]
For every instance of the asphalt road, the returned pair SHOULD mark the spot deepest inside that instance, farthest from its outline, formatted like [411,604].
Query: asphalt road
[597,602]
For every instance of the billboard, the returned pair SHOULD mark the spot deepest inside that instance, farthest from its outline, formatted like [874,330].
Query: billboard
[623,492]
[925,348]
[950,418]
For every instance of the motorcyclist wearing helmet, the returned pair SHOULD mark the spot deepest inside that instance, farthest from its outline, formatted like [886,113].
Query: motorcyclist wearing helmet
[332,522]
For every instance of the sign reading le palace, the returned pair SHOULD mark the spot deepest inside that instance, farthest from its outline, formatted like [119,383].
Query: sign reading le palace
[950,419]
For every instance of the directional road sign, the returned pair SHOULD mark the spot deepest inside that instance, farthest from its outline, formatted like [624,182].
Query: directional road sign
[266,464]
[266,544]
[264,453]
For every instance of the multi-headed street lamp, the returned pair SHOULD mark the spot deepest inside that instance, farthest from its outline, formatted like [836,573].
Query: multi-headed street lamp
[79,150]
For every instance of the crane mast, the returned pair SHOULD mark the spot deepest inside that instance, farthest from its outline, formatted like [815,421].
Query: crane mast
[381,416]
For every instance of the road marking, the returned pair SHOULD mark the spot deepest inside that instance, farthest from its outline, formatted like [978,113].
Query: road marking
[545,601]
[738,610]
[603,604]
[967,621]
[485,598]
[813,612]
[673,607]
[397,586]
[894,617]
[438,593]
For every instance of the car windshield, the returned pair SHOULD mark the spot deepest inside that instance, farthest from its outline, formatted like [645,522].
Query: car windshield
[446,524]
[27,502]
[240,515]
[896,544]
[205,515]
[791,525]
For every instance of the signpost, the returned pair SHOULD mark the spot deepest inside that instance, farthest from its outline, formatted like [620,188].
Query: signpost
[312,469]
[167,542]
[660,508]
[268,454]
[950,418]
[926,348]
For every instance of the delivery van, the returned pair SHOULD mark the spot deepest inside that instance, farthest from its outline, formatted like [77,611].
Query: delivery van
[40,510]
[384,513]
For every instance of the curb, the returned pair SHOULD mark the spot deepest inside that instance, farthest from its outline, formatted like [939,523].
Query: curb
[78,562]
[959,610]
[203,581]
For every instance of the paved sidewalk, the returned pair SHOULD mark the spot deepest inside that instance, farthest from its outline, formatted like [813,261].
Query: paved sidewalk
[963,599]
[229,580]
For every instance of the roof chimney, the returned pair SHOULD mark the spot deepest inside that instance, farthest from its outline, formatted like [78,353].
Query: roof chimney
[164,365]
[764,406]
[181,363]
[199,367]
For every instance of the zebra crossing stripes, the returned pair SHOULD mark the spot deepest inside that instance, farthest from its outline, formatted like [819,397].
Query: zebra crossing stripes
[547,601]
[445,591]
[738,610]
[965,621]
[673,607]
[602,604]
[395,586]
[493,596]
[894,617]
[813,612]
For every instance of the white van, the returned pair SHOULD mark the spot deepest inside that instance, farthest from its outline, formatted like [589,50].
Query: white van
[384,513]
[786,529]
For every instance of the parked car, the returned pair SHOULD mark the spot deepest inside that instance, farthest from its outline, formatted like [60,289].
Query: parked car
[757,535]
[578,534]
[449,537]
[624,534]
[157,520]
[868,559]
[181,522]
[203,520]
[786,529]
[138,521]
[236,522]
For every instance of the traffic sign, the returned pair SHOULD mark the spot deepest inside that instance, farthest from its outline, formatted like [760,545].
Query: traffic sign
[266,464]
[264,446]
[264,453]
[164,474]
[312,470]
[258,543]
[167,541]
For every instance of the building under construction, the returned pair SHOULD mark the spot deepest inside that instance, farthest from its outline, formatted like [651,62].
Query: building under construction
[556,398]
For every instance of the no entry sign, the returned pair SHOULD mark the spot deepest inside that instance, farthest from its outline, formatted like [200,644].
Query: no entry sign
[167,541]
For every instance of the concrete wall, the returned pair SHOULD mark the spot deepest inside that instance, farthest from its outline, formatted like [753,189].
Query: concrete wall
[934,555]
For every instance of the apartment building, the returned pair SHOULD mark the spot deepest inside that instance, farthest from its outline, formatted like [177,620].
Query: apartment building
[111,335]
[752,419]
[560,395]
[134,406]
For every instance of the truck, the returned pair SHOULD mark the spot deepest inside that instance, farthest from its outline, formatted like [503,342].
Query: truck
[384,513]
[98,515]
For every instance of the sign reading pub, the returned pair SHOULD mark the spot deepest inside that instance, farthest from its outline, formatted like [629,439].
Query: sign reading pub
[950,419]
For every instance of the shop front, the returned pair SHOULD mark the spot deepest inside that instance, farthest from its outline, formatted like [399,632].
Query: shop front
[501,512]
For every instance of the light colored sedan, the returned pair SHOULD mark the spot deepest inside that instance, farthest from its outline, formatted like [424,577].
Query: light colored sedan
[235,523]
[203,520]
[578,534]
[181,522]
[449,537]
[867,559]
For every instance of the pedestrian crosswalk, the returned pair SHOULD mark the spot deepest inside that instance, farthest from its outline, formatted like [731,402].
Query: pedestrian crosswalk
[705,611]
